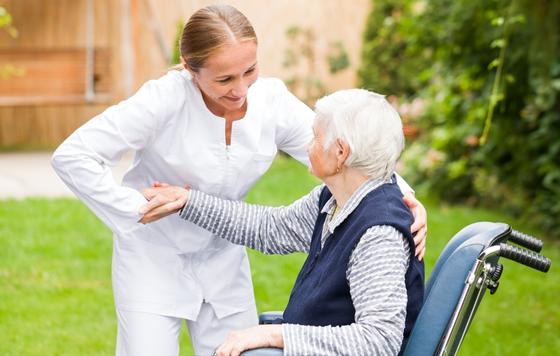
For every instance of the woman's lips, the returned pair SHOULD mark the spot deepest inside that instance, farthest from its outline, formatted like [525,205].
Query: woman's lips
[234,99]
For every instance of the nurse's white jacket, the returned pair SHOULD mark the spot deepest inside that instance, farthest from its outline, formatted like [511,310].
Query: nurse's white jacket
[169,267]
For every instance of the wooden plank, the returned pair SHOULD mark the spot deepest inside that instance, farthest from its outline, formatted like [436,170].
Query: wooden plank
[42,126]
[53,100]
[55,23]
[52,73]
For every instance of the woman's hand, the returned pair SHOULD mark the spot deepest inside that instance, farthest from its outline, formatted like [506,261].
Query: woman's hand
[251,338]
[420,225]
[164,199]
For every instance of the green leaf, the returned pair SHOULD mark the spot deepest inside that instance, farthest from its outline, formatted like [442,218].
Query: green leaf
[494,64]
[499,43]
[517,19]
[498,21]
[510,78]
[457,169]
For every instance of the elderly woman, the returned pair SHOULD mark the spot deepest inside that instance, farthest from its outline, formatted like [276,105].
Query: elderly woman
[360,289]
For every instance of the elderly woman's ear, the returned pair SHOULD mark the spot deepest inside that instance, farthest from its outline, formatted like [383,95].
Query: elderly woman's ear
[342,152]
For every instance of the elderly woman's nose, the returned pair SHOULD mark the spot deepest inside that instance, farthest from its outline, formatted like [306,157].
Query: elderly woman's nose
[308,147]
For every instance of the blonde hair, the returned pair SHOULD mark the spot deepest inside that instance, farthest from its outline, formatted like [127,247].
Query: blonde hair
[210,28]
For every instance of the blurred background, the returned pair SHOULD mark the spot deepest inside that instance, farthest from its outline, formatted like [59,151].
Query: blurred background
[65,60]
[476,83]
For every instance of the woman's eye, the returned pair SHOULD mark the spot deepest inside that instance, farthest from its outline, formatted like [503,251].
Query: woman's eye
[225,80]
[250,71]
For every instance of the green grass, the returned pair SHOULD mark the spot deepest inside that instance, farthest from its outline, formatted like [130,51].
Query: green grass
[55,288]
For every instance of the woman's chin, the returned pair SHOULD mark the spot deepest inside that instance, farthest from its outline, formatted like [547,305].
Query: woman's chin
[314,174]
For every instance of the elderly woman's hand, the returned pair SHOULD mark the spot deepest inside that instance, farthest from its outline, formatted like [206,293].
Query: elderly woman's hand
[163,200]
[420,225]
[251,338]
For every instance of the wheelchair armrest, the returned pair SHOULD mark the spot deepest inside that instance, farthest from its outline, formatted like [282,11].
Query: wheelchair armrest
[271,317]
[265,351]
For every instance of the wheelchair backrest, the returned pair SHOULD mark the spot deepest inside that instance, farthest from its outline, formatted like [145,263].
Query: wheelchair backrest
[447,281]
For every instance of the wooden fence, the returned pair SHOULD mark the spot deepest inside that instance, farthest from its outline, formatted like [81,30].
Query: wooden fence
[79,56]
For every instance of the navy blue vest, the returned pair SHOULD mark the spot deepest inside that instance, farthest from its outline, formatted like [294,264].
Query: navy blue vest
[321,295]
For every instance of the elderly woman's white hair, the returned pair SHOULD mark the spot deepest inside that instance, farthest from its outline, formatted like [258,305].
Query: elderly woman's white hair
[368,124]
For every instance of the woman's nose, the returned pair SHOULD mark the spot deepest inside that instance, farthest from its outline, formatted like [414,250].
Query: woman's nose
[240,88]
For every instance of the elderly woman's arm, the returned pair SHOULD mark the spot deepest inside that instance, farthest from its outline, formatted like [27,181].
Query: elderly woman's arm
[278,230]
[376,276]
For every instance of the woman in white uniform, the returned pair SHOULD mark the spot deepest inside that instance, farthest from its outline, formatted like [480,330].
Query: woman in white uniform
[215,126]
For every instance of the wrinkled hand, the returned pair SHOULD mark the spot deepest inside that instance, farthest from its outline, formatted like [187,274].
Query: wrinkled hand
[163,200]
[420,225]
[251,338]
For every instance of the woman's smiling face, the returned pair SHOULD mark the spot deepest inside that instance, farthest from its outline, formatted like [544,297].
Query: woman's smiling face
[226,76]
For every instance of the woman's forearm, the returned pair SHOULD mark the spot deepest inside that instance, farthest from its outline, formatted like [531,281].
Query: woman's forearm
[270,230]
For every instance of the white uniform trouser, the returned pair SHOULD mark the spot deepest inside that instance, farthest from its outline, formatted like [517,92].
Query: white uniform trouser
[145,334]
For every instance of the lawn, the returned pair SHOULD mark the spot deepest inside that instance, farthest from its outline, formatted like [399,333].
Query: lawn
[55,288]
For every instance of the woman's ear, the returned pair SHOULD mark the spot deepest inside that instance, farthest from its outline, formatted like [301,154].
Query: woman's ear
[342,151]
[193,73]
[186,65]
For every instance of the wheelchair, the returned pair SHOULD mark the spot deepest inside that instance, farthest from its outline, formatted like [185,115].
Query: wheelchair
[467,267]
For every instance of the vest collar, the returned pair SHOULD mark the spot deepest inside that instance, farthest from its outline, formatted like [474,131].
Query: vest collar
[351,204]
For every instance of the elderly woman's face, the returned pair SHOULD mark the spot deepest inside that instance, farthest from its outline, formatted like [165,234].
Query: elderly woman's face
[227,75]
[323,162]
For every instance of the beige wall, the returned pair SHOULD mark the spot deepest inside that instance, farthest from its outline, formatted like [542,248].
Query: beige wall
[332,20]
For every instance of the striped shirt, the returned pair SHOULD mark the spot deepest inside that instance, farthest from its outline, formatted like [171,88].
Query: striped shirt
[375,272]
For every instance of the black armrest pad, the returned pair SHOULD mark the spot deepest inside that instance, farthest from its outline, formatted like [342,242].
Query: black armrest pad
[272,317]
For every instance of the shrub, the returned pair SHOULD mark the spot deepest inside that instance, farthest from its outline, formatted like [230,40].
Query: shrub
[488,73]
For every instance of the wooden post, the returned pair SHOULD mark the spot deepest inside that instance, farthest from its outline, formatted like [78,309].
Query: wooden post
[90,48]
[127,48]
[157,30]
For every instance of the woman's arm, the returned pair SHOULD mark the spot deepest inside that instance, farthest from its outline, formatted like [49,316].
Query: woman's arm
[376,276]
[279,230]
[419,228]
[293,124]
[84,159]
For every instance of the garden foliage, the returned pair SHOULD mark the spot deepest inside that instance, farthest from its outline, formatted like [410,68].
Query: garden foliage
[479,83]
